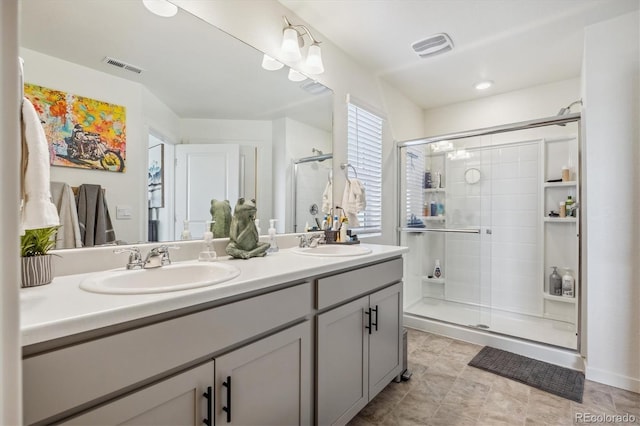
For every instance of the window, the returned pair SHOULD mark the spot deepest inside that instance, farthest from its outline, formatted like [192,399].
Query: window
[364,153]
[414,182]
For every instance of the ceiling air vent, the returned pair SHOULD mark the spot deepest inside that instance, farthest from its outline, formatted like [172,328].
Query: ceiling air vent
[121,64]
[434,45]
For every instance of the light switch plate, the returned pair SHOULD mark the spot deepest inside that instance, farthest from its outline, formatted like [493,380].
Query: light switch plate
[123,212]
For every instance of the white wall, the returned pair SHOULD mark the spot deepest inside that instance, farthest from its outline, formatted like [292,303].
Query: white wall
[521,105]
[10,365]
[612,182]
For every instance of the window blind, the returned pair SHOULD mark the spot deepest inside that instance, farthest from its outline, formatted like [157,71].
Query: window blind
[364,153]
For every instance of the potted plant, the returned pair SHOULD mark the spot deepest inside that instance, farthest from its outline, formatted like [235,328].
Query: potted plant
[37,265]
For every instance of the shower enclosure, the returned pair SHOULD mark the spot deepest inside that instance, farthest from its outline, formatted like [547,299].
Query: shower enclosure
[311,175]
[482,216]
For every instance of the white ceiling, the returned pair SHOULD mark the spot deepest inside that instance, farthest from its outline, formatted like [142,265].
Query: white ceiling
[515,43]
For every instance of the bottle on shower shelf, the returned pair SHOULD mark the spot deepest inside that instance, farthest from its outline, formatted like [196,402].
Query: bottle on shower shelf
[555,282]
[437,270]
[568,284]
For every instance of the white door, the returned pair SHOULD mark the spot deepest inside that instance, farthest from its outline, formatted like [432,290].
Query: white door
[204,172]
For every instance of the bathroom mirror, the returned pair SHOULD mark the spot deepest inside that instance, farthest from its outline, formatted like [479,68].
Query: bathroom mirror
[472,175]
[196,86]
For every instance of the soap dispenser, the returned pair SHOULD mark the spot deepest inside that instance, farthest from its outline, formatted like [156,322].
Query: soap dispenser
[208,253]
[272,236]
[186,234]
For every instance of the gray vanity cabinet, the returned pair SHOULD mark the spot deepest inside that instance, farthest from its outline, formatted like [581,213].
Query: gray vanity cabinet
[178,400]
[267,382]
[358,343]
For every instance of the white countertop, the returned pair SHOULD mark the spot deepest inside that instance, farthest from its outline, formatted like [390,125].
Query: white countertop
[62,309]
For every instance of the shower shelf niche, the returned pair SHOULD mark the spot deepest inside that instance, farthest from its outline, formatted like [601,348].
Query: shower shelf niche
[560,219]
[560,184]
[427,280]
[434,190]
[562,299]
[434,218]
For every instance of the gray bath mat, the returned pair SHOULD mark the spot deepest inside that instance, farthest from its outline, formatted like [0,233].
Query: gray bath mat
[550,378]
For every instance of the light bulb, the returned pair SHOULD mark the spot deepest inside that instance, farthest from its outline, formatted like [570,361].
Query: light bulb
[296,75]
[270,64]
[483,85]
[290,47]
[161,7]
[314,65]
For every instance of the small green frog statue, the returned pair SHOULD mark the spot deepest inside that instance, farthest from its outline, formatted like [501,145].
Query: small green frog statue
[244,242]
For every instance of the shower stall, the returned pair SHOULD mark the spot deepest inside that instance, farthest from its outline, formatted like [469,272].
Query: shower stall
[486,215]
[312,177]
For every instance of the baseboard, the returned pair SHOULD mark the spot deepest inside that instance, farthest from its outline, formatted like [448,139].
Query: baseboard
[554,355]
[613,379]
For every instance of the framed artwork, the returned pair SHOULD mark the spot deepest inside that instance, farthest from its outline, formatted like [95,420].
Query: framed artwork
[156,176]
[82,132]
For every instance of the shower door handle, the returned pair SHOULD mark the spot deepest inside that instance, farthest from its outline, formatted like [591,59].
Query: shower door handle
[445,230]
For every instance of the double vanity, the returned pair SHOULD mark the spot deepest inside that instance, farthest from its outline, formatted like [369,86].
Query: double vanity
[302,336]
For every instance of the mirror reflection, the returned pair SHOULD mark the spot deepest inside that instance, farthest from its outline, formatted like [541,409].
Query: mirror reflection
[203,118]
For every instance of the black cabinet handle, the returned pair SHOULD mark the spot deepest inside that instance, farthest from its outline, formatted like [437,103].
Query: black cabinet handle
[375,324]
[209,397]
[368,314]
[227,384]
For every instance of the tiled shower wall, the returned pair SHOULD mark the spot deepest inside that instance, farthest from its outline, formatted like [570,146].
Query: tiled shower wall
[504,205]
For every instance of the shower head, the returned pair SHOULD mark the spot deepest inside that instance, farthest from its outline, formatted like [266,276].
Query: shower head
[567,110]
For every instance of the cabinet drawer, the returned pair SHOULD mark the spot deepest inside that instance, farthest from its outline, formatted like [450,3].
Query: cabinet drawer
[341,287]
[66,378]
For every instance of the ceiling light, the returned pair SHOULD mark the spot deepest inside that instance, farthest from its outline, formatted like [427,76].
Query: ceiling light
[270,64]
[161,7]
[293,39]
[483,85]
[296,75]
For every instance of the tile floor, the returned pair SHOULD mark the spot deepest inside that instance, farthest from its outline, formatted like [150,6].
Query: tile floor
[444,390]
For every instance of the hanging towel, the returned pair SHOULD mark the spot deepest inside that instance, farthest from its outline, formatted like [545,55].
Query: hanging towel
[37,211]
[327,198]
[68,235]
[93,216]
[353,201]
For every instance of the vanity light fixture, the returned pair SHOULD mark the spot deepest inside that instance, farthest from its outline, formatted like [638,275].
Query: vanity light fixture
[161,7]
[270,64]
[293,40]
[483,85]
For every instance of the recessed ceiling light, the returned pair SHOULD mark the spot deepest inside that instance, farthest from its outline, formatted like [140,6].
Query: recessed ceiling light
[483,85]
[161,7]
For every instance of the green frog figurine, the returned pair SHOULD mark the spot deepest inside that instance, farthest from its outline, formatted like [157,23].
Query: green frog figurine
[244,242]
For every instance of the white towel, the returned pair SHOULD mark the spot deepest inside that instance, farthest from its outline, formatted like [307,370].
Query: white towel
[353,201]
[327,198]
[37,210]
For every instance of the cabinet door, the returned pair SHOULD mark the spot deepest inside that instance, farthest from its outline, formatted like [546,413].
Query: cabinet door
[342,362]
[178,400]
[385,349]
[267,382]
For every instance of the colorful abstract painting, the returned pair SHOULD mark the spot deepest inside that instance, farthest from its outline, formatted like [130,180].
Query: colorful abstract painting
[82,132]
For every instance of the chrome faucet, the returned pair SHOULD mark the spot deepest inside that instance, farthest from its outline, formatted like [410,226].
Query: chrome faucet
[135,260]
[311,240]
[157,257]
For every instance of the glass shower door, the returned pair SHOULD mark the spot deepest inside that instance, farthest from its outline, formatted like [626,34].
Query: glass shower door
[444,231]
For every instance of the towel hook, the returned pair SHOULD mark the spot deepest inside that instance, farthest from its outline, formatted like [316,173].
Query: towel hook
[345,166]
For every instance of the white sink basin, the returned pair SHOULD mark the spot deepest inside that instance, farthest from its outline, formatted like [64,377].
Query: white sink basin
[177,276]
[333,250]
